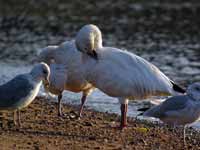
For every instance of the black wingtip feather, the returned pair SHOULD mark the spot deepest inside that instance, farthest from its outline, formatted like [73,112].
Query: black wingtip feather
[177,88]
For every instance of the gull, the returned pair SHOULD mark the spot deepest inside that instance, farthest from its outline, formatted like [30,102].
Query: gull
[179,110]
[120,73]
[66,55]
[19,92]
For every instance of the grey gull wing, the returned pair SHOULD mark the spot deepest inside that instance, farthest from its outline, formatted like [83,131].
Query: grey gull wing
[14,90]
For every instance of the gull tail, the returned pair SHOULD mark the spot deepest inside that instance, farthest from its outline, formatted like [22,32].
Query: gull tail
[177,88]
[142,110]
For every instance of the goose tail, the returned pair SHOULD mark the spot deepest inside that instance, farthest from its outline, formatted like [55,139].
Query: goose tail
[177,88]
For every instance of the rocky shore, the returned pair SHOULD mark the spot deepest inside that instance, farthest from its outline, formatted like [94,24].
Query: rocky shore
[43,129]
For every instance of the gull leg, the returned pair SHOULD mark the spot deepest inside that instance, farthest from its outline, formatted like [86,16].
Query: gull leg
[184,134]
[18,118]
[2,118]
[83,100]
[14,118]
[59,105]
[174,127]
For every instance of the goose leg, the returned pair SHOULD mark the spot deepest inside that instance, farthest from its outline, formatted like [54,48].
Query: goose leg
[124,109]
[83,100]
[59,105]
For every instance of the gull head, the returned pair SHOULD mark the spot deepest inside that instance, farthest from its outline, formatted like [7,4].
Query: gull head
[40,72]
[194,91]
[46,54]
[88,40]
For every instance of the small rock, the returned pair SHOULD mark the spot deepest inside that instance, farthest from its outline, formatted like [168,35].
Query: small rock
[92,138]
[190,71]
[106,140]
[88,124]
[72,116]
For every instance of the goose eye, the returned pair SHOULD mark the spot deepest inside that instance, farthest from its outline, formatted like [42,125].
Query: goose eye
[45,71]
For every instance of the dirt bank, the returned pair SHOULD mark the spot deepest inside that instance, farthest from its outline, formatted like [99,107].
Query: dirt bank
[42,129]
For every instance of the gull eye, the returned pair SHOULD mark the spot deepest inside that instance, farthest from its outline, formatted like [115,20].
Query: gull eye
[197,88]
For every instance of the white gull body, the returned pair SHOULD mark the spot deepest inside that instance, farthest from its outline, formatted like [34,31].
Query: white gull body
[19,92]
[120,73]
[67,56]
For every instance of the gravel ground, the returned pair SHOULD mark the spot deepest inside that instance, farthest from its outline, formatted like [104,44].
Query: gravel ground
[42,129]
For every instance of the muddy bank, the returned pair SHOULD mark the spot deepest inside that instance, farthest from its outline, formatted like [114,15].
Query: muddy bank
[42,129]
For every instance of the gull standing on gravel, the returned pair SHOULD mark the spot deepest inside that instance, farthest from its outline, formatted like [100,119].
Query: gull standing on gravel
[19,92]
[67,56]
[179,110]
[120,73]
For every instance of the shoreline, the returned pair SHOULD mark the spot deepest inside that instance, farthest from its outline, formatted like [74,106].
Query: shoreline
[43,129]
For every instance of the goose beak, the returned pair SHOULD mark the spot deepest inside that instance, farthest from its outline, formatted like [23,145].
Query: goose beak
[93,54]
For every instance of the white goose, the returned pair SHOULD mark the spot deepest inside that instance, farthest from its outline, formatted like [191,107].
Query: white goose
[71,72]
[120,73]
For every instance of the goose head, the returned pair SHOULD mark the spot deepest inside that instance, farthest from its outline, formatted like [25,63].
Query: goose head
[47,54]
[88,40]
[194,91]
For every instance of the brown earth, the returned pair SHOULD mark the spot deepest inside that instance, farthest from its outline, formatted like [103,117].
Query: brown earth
[43,129]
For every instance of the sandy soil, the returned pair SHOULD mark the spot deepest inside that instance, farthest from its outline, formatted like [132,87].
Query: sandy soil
[43,129]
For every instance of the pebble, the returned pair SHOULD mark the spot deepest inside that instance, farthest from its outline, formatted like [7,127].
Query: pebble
[190,71]
[88,124]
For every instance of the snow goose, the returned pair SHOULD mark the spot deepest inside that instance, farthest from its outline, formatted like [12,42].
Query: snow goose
[120,73]
[67,56]
[19,92]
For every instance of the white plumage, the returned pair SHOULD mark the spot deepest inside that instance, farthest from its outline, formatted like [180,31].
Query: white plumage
[71,72]
[57,80]
[120,73]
